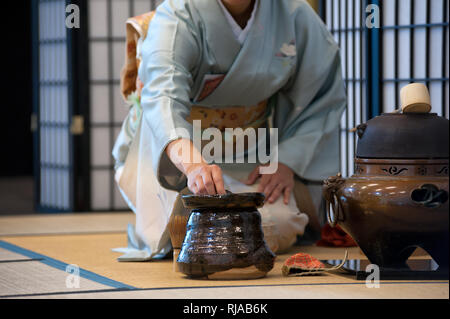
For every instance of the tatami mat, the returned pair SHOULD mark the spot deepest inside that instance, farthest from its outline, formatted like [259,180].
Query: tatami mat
[34,277]
[93,253]
[86,241]
[65,223]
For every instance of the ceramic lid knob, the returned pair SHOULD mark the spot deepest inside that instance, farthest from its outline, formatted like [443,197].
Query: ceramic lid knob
[415,98]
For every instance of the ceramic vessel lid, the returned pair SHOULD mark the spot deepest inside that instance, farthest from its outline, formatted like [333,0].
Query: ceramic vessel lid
[229,201]
[405,136]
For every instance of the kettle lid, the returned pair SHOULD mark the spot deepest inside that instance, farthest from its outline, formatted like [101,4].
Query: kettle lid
[404,136]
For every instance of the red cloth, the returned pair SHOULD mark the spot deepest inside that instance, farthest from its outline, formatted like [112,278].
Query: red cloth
[304,261]
[335,237]
[302,264]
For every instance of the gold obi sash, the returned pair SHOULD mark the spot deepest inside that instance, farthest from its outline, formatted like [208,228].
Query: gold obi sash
[231,117]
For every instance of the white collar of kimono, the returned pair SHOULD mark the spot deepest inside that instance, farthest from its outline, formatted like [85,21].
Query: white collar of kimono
[239,33]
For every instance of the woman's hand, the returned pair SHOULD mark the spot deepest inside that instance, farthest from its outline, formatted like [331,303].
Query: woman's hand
[205,179]
[202,178]
[274,185]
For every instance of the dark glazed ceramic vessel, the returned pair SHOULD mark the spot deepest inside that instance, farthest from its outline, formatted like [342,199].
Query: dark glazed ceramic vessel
[224,233]
[397,199]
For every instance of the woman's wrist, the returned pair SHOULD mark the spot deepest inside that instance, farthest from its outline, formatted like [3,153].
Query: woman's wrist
[184,155]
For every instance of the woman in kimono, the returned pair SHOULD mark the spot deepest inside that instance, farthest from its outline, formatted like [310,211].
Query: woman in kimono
[231,64]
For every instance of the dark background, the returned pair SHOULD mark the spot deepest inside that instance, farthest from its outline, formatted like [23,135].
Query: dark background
[16,109]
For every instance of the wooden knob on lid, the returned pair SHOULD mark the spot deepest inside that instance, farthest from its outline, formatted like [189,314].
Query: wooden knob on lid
[415,98]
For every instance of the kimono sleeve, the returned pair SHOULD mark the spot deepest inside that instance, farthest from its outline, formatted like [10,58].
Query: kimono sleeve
[310,106]
[169,56]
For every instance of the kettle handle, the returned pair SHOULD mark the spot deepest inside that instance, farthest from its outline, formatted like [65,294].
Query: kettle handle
[429,196]
[361,129]
[333,206]
[333,211]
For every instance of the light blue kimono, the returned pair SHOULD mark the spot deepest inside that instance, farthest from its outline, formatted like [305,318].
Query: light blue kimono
[288,57]
[189,39]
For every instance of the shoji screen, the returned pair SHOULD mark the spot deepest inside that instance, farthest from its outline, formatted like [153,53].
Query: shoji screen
[107,48]
[54,143]
[345,19]
[415,49]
